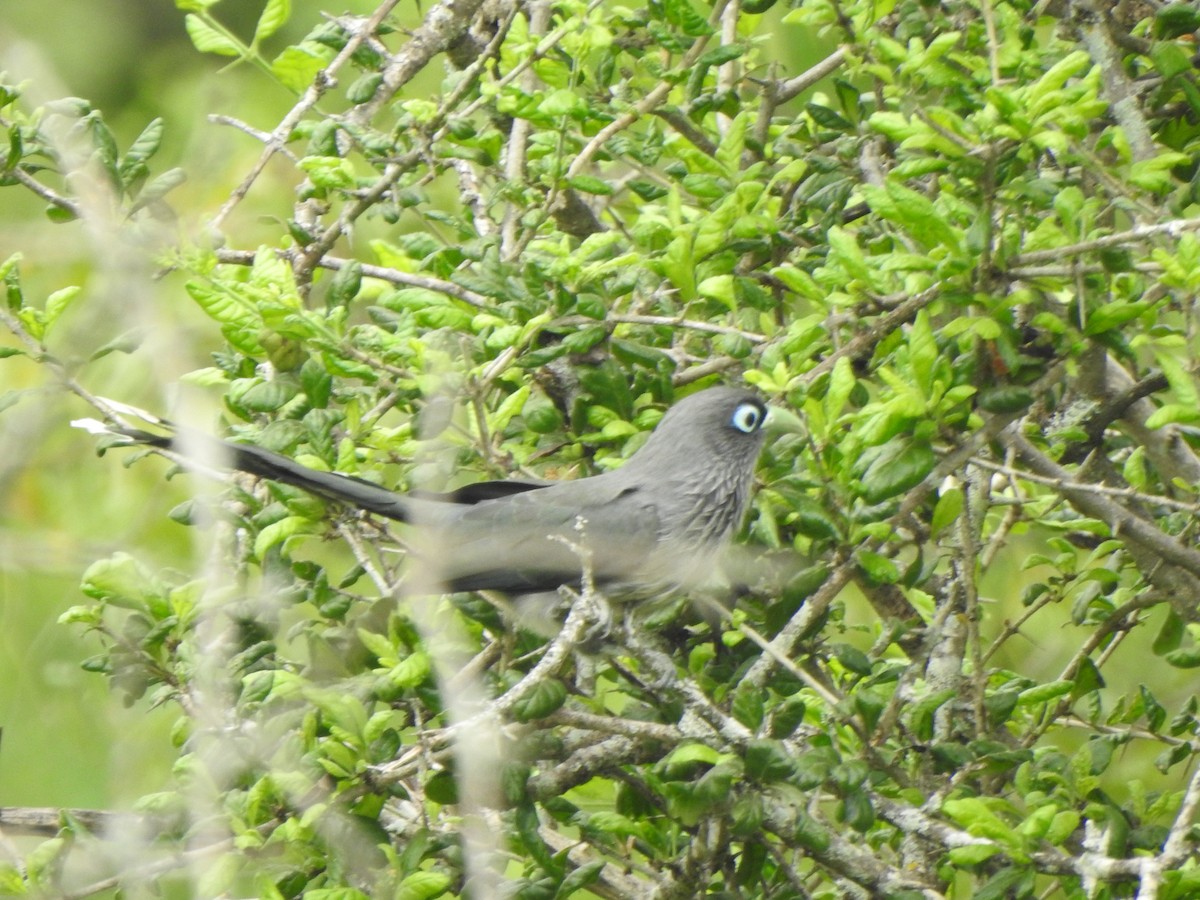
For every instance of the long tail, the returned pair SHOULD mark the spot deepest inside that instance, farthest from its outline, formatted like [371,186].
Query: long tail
[346,489]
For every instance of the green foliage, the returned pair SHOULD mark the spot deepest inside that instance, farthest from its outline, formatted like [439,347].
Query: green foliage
[964,259]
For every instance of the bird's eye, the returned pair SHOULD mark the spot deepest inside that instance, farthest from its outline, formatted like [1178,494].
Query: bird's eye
[747,417]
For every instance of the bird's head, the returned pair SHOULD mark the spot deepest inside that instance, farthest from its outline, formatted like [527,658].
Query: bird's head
[720,426]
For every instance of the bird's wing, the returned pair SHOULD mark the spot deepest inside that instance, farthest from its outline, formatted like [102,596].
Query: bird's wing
[538,540]
[470,494]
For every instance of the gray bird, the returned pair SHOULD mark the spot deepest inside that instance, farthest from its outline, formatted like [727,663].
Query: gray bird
[657,523]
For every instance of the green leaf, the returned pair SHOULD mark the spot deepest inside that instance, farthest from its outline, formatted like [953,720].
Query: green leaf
[827,118]
[1134,469]
[678,265]
[412,671]
[914,212]
[345,284]
[844,249]
[972,854]
[12,884]
[747,705]
[589,184]
[329,172]
[614,823]
[746,818]
[893,125]
[1057,75]
[733,144]
[265,396]
[424,885]
[578,879]
[1062,827]
[208,39]
[10,274]
[57,303]
[853,659]
[104,142]
[1170,59]
[563,102]
[159,186]
[442,787]
[1156,174]
[1005,398]
[1178,376]
[899,465]
[1011,882]
[274,15]
[510,407]
[16,149]
[786,717]
[921,713]
[689,754]
[33,321]
[842,382]
[362,90]
[1043,693]
[1184,659]
[639,354]
[544,698]
[768,761]
[974,814]
[947,510]
[143,147]
[1170,634]
[1173,413]
[714,786]
[718,56]
[1087,679]
[647,190]
[1114,315]
[812,520]
[238,324]
[706,187]
[119,579]
[278,532]
[856,810]
[377,644]
[684,16]
[880,569]
[922,351]
[719,288]
[59,214]
[584,339]
[810,833]
[798,282]
[297,66]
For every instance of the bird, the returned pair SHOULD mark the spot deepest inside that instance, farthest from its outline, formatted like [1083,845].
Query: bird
[657,523]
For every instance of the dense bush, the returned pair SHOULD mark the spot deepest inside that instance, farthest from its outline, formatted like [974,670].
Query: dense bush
[960,247]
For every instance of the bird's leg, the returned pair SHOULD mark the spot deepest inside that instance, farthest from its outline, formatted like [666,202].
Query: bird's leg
[596,609]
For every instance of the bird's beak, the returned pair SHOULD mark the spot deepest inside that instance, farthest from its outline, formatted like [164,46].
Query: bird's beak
[783,421]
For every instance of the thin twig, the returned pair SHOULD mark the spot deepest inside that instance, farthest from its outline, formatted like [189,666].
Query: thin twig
[283,131]
[1062,485]
[47,194]
[1173,228]
[655,98]
[383,273]
[786,90]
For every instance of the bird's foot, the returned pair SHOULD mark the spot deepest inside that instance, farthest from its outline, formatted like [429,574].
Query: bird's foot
[592,615]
